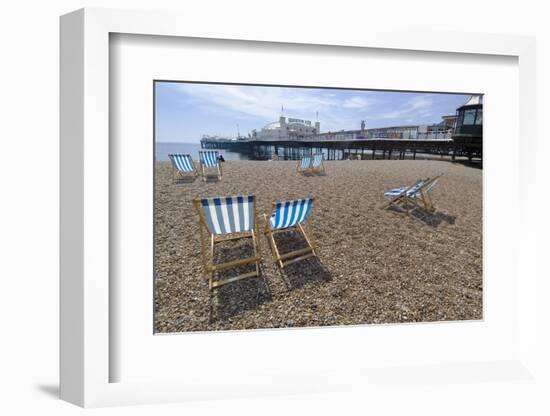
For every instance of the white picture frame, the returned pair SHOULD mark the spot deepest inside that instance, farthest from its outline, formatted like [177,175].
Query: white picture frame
[85,212]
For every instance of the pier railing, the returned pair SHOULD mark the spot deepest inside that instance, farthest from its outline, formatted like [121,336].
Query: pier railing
[435,136]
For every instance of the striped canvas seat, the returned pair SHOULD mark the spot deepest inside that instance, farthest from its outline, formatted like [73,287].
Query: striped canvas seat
[182,162]
[317,160]
[209,158]
[183,167]
[224,219]
[305,163]
[405,190]
[289,213]
[431,184]
[231,214]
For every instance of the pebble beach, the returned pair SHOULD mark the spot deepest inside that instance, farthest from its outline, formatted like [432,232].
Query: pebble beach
[374,266]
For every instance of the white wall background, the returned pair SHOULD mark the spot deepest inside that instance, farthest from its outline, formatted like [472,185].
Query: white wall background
[29,82]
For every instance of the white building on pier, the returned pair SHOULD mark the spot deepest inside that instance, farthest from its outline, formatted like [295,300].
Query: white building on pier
[287,129]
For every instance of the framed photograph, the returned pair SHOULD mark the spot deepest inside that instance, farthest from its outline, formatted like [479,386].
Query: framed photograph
[278,214]
[261,252]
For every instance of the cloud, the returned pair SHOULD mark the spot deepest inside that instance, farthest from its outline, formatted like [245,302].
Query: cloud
[417,106]
[337,109]
[263,102]
[255,106]
[356,102]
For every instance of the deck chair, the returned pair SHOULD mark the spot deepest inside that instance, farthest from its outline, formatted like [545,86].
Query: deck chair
[209,160]
[416,195]
[182,167]
[304,166]
[286,216]
[224,219]
[317,165]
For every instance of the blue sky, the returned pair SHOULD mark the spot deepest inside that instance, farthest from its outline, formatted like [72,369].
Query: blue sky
[184,111]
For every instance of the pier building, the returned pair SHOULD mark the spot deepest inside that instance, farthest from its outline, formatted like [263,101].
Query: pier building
[287,129]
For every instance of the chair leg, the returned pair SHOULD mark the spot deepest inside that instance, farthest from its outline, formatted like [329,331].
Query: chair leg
[426,203]
[275,250]
[310,241]
[210,306]
[272,245]
[212,272]
[256,246]
[204,258]
[429,201]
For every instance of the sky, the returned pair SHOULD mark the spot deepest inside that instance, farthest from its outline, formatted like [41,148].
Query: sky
[186,111]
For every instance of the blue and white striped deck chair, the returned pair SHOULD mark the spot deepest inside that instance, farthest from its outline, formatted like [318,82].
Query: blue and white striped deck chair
[223,219]
[183,167]
[286,216]
[304,165]
[209,159]
[416,194]
[317,165]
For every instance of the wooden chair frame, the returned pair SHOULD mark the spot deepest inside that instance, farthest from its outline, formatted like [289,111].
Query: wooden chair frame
[204,173]
[207,250]
[283,260]
[180,175]
[422,199]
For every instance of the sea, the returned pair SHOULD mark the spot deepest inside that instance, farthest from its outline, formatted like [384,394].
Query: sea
[162,150]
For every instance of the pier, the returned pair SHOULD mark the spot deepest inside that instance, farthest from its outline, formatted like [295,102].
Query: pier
[376,148]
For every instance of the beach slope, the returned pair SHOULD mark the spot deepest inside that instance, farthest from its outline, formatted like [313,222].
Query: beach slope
[374,266]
